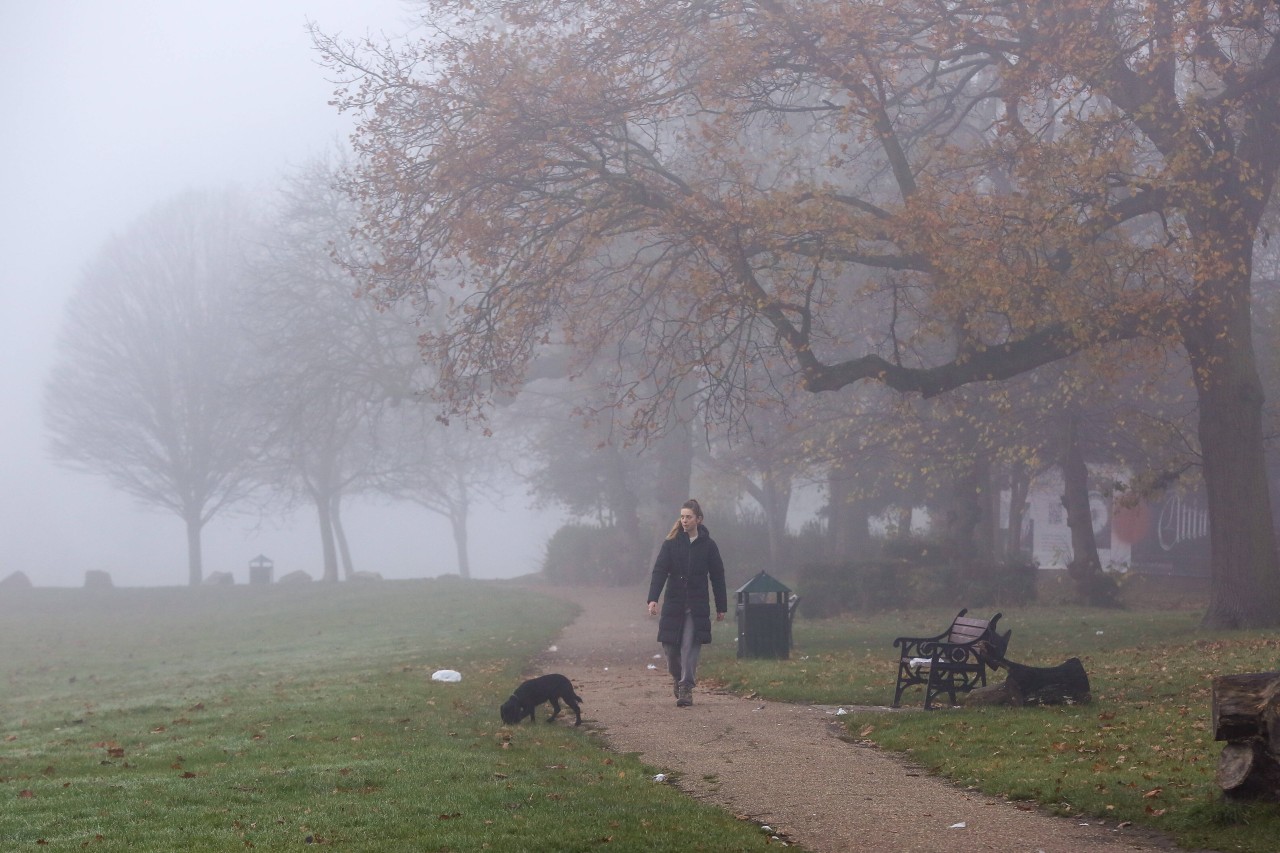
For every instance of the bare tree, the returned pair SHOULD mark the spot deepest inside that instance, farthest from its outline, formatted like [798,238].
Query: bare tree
[445,470]
[145,390]
[327,364]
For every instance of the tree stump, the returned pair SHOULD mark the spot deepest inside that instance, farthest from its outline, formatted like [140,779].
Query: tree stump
[1066,683]
[1246,714]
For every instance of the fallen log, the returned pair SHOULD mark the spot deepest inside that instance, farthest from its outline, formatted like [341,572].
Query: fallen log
[1247,771]
[1066,683]
[1241,704]
[1246,714]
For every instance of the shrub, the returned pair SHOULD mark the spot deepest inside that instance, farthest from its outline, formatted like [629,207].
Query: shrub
[587,554]
[916,550]
[743,539]
[999,584]
[830,589]
[744,544]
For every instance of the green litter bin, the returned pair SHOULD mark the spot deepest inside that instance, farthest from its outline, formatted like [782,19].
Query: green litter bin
[764,613]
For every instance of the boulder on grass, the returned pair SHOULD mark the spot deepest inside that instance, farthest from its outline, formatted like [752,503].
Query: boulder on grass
[298,576]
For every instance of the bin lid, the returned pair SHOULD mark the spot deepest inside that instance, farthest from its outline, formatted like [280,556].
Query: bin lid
[763,582]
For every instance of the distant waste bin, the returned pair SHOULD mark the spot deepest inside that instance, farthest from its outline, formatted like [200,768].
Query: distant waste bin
[765,609]
[261,569]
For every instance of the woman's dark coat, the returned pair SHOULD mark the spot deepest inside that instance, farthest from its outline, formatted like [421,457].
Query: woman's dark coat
[684,567]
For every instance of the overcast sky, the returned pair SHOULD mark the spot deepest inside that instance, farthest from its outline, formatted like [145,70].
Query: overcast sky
[110,107]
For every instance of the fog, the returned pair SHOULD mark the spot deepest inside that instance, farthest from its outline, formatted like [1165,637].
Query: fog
[111,108]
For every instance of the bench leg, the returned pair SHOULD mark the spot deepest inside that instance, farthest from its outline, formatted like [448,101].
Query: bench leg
[939,683]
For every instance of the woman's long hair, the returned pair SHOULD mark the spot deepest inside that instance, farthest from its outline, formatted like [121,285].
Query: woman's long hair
[697,513]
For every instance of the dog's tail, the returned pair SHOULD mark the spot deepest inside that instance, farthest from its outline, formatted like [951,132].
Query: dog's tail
[576,697]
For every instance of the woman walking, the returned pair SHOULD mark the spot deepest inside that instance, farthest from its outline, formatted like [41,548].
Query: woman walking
[689,558]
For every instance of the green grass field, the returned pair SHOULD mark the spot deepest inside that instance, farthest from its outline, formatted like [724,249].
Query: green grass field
[227,718]
[276,717]
[1142,751]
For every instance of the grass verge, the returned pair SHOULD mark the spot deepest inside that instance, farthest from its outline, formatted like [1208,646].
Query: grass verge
[275,717]
[1141,752]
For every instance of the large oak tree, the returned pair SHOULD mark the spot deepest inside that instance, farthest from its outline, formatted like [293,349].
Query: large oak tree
[997,185]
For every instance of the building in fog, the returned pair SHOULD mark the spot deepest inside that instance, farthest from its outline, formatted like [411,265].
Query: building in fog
[1166,536]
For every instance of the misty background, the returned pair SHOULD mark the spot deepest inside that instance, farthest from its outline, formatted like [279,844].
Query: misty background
[112,109]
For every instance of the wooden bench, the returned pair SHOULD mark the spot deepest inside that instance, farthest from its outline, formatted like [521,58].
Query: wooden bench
[955,661]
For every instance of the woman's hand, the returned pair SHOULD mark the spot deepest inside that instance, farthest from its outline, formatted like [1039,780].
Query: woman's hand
[653,608]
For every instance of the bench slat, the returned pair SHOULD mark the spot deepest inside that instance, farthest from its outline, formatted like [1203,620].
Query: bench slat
[972,630]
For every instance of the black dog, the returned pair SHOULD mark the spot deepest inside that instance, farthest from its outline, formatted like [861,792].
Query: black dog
[532,693]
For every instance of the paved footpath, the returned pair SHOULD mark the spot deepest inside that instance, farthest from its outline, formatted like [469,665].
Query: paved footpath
[784,765]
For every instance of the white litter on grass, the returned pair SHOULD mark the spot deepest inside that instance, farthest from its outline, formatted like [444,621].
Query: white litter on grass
[446,675]
[552,649]
[960,825]
[657,657]
[1099,633]
[766,828]
[661,777]
[651,666]
[840,712]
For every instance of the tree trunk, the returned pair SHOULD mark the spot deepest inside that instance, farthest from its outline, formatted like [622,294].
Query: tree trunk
[625,507]
[848,536]
[1092,586]
[340,535]
[1245,588]
[326,537]
[459,525]
[903,518]
[674,459]
[969,529]
[778,489]
[987,498]
[195,551]
[1019,486]
[968,517]
[458,521]
[774,496]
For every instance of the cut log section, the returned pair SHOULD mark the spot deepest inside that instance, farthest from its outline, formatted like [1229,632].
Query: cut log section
[1246,714]
[1240,703]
